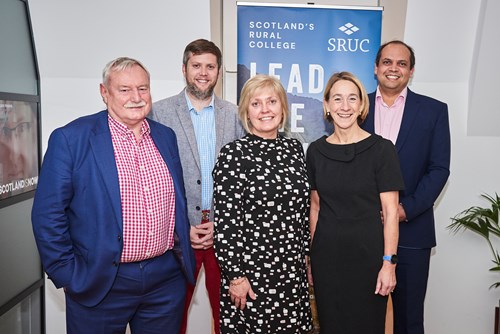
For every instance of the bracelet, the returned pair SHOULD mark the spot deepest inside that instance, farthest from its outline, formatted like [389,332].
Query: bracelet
[232,283]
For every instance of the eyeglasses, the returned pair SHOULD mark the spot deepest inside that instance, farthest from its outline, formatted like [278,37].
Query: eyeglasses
[17,131]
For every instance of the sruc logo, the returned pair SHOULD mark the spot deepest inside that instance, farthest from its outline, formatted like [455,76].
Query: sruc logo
[348,44]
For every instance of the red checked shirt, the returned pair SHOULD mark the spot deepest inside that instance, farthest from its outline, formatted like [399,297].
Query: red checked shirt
[147,194]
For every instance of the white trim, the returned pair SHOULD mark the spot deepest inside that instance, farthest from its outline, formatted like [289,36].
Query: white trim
[267,4]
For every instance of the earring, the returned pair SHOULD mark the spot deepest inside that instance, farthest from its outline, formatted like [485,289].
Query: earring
[329,117]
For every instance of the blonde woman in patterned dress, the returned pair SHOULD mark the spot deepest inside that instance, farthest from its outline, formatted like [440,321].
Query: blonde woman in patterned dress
[261,219]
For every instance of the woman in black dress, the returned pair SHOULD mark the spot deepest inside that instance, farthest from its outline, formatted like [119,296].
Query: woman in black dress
[355,179]
[261,198]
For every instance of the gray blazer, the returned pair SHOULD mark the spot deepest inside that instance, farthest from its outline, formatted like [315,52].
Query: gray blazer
[173,112]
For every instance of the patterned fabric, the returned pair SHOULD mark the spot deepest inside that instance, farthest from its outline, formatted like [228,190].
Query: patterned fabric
[147,194]
[261,198]
[204,129]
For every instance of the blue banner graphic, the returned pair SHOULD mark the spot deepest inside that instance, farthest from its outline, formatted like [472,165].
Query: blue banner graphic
[303,46]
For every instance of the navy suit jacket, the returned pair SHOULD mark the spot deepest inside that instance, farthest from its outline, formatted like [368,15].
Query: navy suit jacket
[77,214]
[423,146]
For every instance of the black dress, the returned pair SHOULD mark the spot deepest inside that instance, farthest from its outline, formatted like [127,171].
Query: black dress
[261,198]
[348,244]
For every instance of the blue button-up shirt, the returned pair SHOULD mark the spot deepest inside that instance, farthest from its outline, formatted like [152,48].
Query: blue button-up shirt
[204,129]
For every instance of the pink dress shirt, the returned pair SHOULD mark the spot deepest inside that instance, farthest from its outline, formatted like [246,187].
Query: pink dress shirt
[388,118]
[147,194]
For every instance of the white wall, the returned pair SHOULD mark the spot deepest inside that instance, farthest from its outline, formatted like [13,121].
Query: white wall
[443,33]
[75,39]
[484,77]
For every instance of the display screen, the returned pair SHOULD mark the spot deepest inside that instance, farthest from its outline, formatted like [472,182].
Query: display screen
[18,148]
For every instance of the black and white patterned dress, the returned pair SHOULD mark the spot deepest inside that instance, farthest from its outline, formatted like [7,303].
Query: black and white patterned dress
[261,197]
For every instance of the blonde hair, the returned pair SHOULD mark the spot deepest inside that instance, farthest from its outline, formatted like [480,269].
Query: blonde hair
[363,95]
[248,91]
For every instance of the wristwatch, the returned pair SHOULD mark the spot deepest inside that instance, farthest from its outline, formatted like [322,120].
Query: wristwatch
[391,258]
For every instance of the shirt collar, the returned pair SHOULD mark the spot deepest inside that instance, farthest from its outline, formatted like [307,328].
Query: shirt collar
[191,107]
[123,130]
[399,99]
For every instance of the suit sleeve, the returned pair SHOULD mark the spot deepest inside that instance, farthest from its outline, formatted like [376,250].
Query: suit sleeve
[49,217]
[437,169]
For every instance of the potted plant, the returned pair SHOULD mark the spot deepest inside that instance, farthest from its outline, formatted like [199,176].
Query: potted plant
[483,221]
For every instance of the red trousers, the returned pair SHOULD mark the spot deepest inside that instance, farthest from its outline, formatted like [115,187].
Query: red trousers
[212,283]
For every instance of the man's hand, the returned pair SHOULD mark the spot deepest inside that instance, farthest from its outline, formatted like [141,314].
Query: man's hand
[202,235]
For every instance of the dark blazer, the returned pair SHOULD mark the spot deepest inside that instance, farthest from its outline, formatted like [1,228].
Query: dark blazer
[77,215]
[423,146]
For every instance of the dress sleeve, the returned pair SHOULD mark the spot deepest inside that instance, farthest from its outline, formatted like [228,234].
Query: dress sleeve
[229,182]
[306,239]
[389,177]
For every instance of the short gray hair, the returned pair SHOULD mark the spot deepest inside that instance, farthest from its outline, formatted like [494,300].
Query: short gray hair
[120,64]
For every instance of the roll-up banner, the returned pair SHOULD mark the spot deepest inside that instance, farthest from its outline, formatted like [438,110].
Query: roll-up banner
[303,45]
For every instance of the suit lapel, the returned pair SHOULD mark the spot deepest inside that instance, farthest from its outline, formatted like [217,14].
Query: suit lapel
[162,143]
[409,114]
[369,123]
[102,147]
[187,125]
[220,117]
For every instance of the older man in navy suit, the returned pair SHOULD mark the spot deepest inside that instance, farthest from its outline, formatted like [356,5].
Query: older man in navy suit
[110,215]
[418,125]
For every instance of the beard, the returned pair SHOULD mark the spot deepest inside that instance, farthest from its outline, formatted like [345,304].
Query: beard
[199,94]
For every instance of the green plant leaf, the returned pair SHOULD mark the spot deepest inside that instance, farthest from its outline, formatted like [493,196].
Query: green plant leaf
[495,285]
[483,221]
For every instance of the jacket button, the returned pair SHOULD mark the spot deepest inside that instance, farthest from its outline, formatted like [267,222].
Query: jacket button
[198,181]
[198,208]
[119,238]
[115,264]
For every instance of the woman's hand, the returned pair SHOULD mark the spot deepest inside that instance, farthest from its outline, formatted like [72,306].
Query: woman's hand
[386,280]
[238,290]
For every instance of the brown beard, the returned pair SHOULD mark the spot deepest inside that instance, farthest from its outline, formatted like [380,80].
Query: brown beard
[199,94]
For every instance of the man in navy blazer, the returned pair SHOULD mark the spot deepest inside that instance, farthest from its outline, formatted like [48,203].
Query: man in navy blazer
[418,125]
[110,215]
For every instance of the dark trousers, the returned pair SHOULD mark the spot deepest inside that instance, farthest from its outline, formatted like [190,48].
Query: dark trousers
[212,283]
[412,272]
[148,295]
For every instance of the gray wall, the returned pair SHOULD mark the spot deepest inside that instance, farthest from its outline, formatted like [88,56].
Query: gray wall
[75,39]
